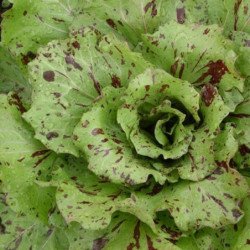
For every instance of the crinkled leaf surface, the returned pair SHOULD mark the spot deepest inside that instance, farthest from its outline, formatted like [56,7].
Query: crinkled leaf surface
[88,100]
[243,61]
[226,144]
[12,78]
[25,196]
[22,162]
[29,25]
[106,146]
[197,53]
[125,232]
[200,161]
[212,202]
[150,91]
[129,19]
[241,119]
[18,146]
[230,237]
[72,73]
[20,231]
[231,15]
[84,198]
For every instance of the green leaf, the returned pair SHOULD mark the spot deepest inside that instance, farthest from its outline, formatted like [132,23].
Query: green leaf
[214,203]
[105,145]
[197,53]
[128,19]
[29,25]
[84,198]
[241,119]
[233,237]
[27,152]
[226,144]
[20,231]
[125,232]
[22,162]
[208,144]
[243,61]
[71,74]
[12,78]
[213,108]
[23,195]
[211,12]
[199,161]
[156,96]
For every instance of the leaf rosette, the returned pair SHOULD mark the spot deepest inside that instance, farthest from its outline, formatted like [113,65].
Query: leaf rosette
[137,123]
[159,125]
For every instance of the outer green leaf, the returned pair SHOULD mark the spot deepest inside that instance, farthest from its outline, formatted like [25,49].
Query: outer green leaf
[213,202]
[84,198]
[130,19]
[19,231]
[31,24]
[125,232]
[231,15]
[23,195]
[18,146]
[225,144]
[241,119]
[71,74]
[106,147]
[197,53]
[232,237]
[12,78]
[26,158]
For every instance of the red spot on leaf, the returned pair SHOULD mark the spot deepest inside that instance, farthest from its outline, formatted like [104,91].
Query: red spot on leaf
[76,45]
[244,149]
[90,146]
[180,15]
[49,76]
[111,23]
[116,82]
[136,237]
[52,135]
[156,189]
[17,101]
[151,5]
[39,153]
[236,213]
[216,70]
[28,57]
[96,83]
[208,93]
[41,160]
[174,67]
[236,12]
[70,60]
[85,124]
[206,31]
[99,243]
[97,131]
[150,244]
[181,70]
